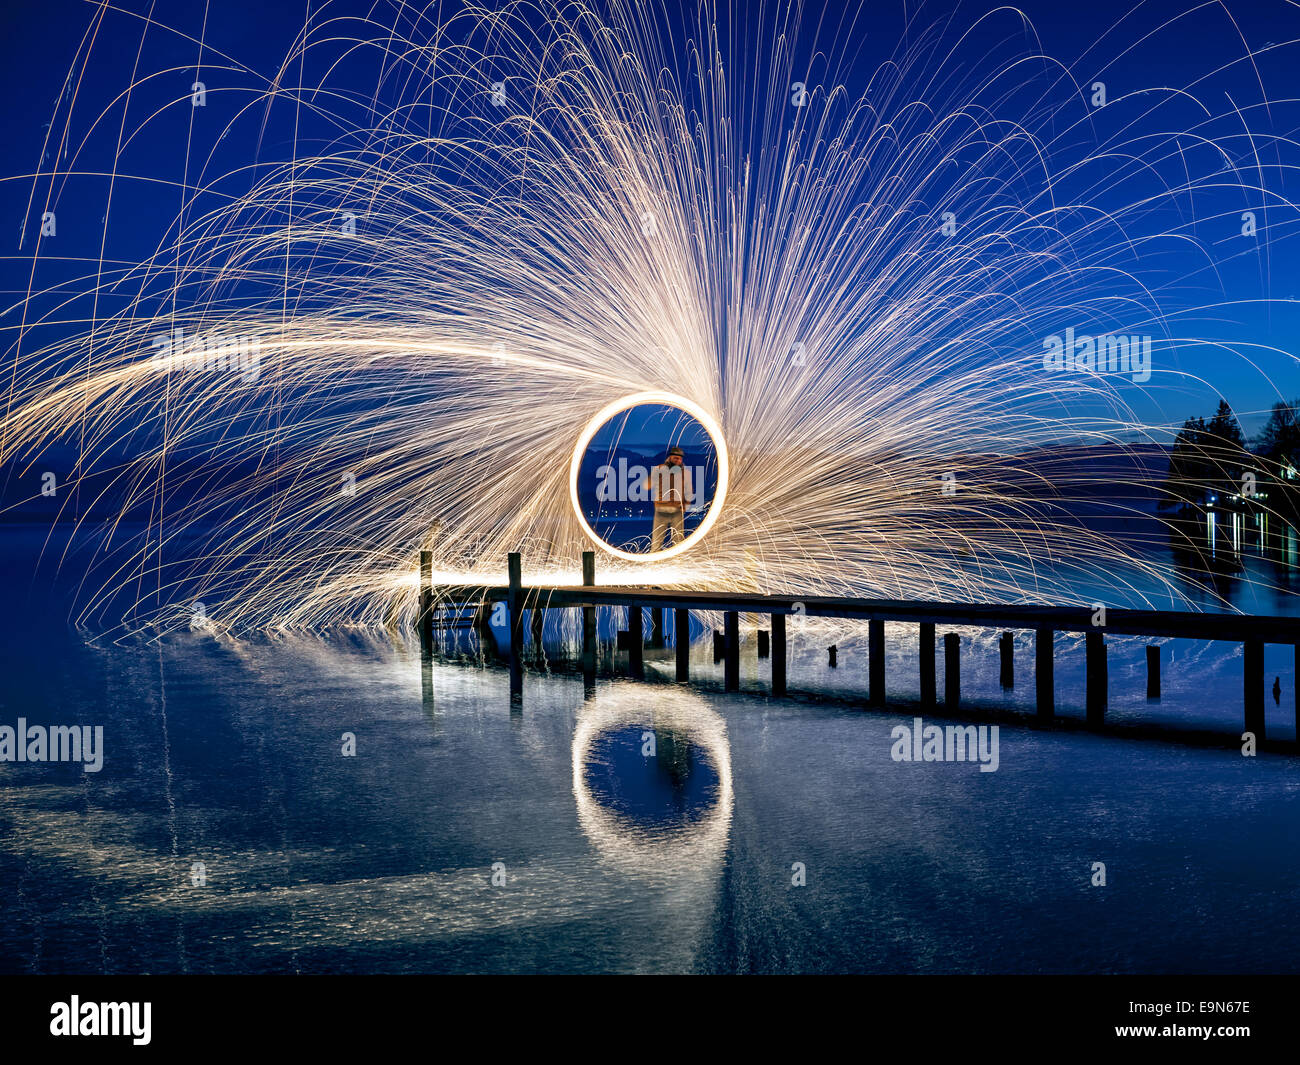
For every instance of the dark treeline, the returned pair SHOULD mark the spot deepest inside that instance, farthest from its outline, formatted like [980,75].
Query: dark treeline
[1212,466]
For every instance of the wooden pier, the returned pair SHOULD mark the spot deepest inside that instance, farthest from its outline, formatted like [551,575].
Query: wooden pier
[1252,631]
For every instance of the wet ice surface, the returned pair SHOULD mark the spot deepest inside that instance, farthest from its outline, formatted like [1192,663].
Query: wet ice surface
[229,754]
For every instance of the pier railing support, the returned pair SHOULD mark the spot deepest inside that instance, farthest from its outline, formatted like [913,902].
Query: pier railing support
[778,654]
[1045,673]
[536,623]
[1007,670]
[636,642]
[731,671]
[426,601]
[682,642]
[951,670]
[515,605]
[483,624]
[589,620]
[927,663]
[1095,661]
[1253,680]
[876,662]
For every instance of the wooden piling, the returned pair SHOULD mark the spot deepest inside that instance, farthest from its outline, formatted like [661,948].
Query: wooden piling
[1253,682]
[636,643]
[589,619]
[536,624]
[764,643]
[682,640]
[1007,672]
[719,646]
[483,624]
[656,626]
[1153,671]
[927,663]
[1095,662]
[876,662]
[778,654]
[426,601]
[1045,673]
[951,670]
[515,604]
[731,628]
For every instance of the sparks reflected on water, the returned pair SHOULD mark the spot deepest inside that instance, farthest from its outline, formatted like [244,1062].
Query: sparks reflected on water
[691,848]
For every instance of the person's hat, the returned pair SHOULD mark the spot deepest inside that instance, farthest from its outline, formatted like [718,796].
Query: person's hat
[675,450]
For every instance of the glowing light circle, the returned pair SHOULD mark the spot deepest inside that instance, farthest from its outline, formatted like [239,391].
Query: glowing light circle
[666,399]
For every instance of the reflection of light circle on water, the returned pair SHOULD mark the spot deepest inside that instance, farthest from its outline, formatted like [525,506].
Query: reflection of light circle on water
[665,399]
[692,845]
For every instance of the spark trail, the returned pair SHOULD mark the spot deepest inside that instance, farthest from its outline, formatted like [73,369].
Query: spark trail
[487,226]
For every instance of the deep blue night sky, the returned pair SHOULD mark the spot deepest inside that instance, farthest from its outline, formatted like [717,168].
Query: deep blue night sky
[41,40]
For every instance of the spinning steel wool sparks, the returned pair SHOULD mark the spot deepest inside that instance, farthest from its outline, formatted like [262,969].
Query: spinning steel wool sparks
[399,336]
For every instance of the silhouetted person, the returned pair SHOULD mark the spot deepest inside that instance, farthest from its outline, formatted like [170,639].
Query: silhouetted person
[1277,690]
[670,488]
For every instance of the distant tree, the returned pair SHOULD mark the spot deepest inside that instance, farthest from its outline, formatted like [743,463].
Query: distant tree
[1278,444]
[1225,430]
[1225,450]
[1280,437]
[1207,459]
[1188,469]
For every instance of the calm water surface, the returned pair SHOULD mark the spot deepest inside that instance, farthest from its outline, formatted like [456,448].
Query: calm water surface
[229,754]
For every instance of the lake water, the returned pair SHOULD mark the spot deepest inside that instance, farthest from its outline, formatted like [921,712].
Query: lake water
[468,833]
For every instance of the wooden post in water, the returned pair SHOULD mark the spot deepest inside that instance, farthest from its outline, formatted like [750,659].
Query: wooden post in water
[682,640]
[1007,672]
[731,627]
[778,654]
[951,670]
[1045,673]
[1095,661]
[636,642]
[656,626]
[1153,671]
[719,646]
[927,663]
[876,662]
[515,604]
[483,624]
[426,601]
[536,622]
[764,643]
[1253,681]
[589,619]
